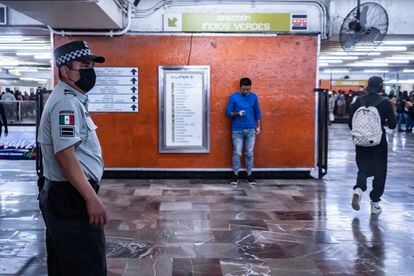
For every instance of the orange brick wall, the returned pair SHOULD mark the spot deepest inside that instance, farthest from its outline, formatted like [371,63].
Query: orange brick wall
[283,71]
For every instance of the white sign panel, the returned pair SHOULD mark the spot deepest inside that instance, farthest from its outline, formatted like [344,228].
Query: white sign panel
[184,109]
[116,90]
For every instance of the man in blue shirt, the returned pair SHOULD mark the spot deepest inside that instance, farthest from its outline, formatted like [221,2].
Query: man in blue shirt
[243,107]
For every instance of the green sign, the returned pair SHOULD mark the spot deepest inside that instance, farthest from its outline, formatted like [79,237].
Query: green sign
[349,82]
[236,22]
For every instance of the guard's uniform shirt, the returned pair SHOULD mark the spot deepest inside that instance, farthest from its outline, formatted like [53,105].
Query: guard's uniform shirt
[66,122]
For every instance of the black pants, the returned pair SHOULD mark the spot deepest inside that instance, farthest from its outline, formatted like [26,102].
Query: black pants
[74,247]
[372,161]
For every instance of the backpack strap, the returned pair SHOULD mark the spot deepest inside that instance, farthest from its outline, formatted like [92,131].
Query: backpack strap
[378,102]
[362,101]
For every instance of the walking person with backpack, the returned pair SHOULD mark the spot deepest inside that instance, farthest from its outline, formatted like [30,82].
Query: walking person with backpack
[368,117]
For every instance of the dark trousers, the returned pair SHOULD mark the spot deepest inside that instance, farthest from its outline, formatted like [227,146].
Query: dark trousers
[372,161]
[74,247]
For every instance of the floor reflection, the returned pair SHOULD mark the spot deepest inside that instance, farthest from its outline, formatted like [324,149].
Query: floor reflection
[207,227]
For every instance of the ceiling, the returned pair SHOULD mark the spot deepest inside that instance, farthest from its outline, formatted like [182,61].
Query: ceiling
[25,60]
[393,60]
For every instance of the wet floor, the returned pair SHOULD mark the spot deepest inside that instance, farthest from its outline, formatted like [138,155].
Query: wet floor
[207,227]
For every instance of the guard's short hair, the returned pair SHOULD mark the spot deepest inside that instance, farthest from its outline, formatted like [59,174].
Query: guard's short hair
[245,81]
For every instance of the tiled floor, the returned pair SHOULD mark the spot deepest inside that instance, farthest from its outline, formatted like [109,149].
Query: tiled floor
[207,227]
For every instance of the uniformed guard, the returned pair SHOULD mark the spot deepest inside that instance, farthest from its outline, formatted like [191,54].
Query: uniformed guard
[72,159]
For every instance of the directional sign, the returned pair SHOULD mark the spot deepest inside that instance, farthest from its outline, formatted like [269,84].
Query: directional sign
[113,107]
[116,90]
[116,80]
[108,98]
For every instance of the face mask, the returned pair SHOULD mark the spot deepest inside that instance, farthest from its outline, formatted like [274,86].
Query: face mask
[87,79]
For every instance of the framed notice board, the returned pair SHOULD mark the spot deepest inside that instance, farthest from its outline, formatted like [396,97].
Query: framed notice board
[184,109]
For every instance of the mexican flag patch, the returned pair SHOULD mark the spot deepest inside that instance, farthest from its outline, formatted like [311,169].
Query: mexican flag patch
[67,120]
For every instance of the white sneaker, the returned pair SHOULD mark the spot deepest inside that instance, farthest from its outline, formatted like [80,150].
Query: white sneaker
[356,199]
[375,208]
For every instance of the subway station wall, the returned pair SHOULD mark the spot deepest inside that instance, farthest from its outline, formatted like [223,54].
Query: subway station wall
[283,71]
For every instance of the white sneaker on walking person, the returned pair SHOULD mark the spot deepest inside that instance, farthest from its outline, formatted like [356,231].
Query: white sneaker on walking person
[356,199]
[375,208]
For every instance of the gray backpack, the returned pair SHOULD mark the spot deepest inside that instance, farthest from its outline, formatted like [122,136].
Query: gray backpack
[366,124]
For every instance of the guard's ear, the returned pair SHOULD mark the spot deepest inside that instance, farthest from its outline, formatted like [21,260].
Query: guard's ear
[64,71]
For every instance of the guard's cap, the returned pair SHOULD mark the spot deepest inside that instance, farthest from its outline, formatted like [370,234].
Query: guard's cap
[374,84]
[75,50]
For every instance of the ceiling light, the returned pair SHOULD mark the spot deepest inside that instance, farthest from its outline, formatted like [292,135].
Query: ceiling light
[399,42]
[375,71]
[9,63]
[408,70]
[397,61]
[25,54]
[390,48]
[10,38]
[24,47]
[33,53]
[34,79]
[339,57]
[336,71]
[43,56]
[401,57]
[323,64]
[25,69]
[386,61]
[400,81]
[391,81]
[332,61]
[367,64]
[341,53]
[374,54]
[380,48]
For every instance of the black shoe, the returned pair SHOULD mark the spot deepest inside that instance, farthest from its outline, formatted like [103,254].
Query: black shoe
[234,180]
[251,180]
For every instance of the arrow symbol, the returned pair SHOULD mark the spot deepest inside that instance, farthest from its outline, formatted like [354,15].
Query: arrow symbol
[134,89]
[133,80]
[133,98]
[133,71]
[172,22]
[133,107]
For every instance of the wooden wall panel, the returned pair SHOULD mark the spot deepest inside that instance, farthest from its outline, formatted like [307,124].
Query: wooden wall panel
[283,71]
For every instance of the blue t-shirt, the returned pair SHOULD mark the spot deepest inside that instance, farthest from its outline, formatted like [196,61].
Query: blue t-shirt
[250,105]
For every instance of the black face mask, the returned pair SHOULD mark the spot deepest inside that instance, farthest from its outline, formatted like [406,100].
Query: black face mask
[87,79]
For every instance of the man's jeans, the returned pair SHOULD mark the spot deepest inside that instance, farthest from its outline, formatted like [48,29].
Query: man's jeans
[246,137]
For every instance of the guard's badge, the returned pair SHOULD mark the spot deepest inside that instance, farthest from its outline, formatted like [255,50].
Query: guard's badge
[67,131]
[66,118]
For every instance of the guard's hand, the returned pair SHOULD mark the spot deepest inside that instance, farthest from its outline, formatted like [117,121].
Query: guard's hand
[96,212]
[408,104]
[257,130]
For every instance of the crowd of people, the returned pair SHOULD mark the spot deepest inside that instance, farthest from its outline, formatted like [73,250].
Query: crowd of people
[10,95]
[340,103]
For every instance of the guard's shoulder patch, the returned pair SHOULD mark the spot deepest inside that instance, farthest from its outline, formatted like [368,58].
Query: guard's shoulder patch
[67,131]
[66,112]
[69,92]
